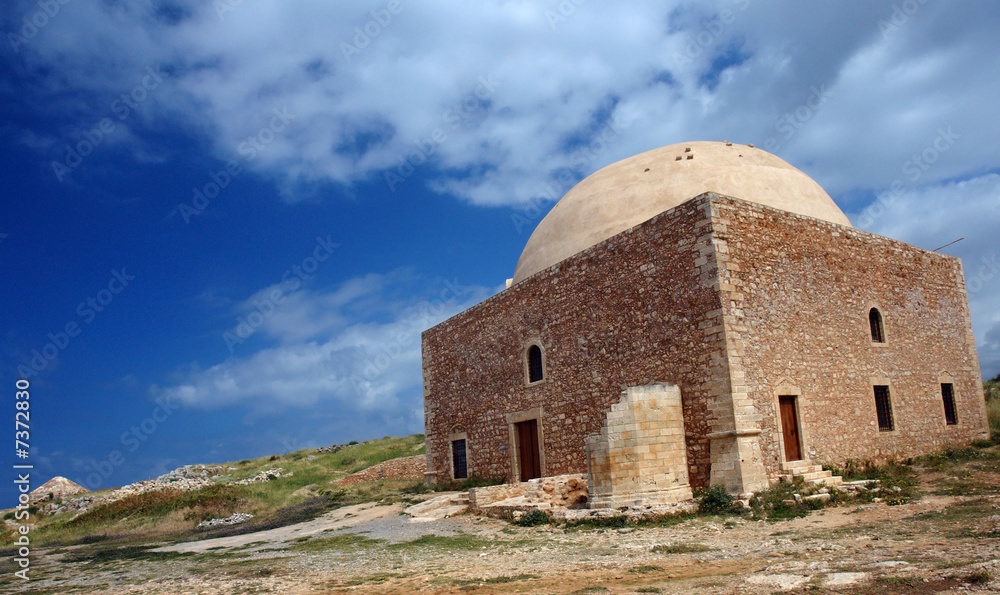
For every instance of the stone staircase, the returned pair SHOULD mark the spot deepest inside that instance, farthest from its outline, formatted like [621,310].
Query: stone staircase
[812,474]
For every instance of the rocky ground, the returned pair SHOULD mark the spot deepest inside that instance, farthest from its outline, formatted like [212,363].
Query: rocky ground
[947,541]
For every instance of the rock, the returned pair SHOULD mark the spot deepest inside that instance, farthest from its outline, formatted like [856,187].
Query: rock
[265,475]
[784,582]
[819,497]
[235,518]
[841,579]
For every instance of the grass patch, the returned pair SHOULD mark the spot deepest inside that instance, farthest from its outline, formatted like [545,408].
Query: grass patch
[337,542]
[681,548]
[128,552]
[462,541]
[497,580]
[621,522]
[644,569]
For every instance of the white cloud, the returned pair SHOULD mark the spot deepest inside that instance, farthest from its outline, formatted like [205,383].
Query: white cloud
[682,70]
[360,362]
[519,96]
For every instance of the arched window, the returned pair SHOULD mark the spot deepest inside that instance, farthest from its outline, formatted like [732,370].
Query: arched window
[535,371]
[875,322]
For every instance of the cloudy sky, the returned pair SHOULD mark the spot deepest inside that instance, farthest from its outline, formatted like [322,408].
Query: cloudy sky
[226,222]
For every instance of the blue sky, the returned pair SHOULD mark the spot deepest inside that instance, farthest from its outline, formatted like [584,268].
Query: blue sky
[226,223]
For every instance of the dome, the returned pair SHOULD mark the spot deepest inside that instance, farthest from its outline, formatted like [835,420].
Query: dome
[637,189]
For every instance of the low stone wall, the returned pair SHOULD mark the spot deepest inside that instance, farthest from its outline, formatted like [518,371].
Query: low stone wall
[559,491]
[401,468]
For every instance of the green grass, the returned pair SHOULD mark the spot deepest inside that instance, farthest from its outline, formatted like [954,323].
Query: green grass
[461,541]
[310,491]
[349,541]
[681,548]
[644,569]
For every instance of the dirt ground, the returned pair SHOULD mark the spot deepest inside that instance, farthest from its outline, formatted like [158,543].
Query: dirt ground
[941,543]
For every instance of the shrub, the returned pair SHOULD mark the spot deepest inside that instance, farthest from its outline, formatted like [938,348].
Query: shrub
[533,519]
[715,500]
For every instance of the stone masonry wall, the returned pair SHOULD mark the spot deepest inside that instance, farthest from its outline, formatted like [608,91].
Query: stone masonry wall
[636,309]
[401,468]
[797,302]
[640,457]
[737,304]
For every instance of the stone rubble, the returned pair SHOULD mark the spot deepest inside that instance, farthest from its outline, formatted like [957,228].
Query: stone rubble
[235,518]
[187,478]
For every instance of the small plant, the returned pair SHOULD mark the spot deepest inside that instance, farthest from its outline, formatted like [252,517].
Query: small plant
[979,577]
[645,568]
[715,500]
[533,519]
[681,548]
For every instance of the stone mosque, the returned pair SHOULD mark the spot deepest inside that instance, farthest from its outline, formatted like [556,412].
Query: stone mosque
[702,313]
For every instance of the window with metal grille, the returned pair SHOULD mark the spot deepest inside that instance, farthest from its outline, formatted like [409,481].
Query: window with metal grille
[875,322]
[535,372]
[948,394]
[883,407]
[458,459]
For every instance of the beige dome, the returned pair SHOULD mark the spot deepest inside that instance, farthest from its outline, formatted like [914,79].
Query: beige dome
[637,189]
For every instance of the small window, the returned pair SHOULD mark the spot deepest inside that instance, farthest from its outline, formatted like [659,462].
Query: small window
[883,407]
[461,469]
[948,395]
[875,322]
[535,372]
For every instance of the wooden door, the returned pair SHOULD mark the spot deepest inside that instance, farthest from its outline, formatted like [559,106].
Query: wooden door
[527,449]
[790,428]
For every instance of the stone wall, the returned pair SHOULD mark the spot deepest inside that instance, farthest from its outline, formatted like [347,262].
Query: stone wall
[401,468]
[561,490]
[636,309]
[640,458]
[797,296]
[734,302]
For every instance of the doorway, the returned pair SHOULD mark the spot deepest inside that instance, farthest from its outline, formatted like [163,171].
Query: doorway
[527,449]
[790,427]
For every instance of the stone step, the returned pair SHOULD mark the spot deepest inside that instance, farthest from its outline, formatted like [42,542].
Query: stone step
[790,465]
[810,476]
[832,480]
[806,468]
